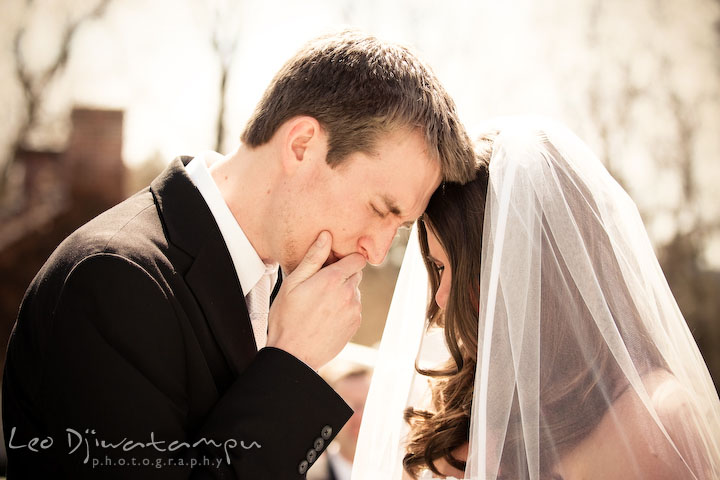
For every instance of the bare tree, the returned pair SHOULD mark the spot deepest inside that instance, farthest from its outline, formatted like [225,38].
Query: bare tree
[615,122]
[696,288]
[224,39]
[35,84]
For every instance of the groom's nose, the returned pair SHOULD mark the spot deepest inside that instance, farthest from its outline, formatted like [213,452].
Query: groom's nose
[374,246]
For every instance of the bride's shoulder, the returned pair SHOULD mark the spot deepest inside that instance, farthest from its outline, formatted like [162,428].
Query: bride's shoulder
[629,438]
[672,403]
[664,396]
[680,413]
[652,425]
[668,397]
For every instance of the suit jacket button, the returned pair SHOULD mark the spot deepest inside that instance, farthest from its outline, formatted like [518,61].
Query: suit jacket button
[326,432]
[319,444]
[311,456]
[303,467]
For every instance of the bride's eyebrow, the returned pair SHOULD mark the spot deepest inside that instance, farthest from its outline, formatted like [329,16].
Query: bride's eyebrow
[433,259]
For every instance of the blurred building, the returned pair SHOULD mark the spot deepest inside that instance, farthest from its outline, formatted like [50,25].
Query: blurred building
[49,195]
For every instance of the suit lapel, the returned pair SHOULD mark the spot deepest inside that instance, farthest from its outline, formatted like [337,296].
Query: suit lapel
[278,284]
[214,282]
[211,277]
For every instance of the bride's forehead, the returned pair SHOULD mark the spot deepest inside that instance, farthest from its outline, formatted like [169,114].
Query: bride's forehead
[434,245]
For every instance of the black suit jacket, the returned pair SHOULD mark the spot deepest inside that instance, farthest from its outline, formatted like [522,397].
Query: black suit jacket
[133,354]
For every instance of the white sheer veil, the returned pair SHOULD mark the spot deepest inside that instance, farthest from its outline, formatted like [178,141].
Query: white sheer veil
[583,354]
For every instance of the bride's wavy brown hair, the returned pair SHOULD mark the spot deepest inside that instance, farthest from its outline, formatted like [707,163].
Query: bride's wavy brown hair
[435,435]
[569,410]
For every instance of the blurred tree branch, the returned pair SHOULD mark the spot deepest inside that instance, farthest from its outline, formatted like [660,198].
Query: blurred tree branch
[34,85]
[618,120]
[224,42]
[614,109]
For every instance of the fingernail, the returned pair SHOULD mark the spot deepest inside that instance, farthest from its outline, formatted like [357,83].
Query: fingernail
[322,239]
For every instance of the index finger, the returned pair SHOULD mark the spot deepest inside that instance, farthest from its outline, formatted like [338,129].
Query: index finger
[349,265]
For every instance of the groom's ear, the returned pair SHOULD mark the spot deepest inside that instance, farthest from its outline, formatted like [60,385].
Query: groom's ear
[304,141]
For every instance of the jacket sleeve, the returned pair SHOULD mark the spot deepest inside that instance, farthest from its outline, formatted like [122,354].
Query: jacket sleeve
[115,392]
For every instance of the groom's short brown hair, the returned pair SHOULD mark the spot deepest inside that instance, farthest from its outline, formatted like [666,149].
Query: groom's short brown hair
[359,88]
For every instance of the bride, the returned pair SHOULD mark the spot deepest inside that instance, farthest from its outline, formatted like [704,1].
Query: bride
[551,346]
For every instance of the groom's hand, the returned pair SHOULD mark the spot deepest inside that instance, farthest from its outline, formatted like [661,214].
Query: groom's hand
[317,310]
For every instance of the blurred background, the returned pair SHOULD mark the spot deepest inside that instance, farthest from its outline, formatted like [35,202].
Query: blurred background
[99,95]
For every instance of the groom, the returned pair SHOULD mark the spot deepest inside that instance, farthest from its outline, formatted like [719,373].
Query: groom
[144,348]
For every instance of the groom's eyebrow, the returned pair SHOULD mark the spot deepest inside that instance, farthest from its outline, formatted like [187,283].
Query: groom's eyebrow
[392,207]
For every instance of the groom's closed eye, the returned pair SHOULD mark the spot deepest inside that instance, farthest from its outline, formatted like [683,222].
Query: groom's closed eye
[408,225]
[392,208]
[377,211]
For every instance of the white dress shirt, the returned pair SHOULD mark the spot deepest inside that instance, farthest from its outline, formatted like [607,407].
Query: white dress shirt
[248,264]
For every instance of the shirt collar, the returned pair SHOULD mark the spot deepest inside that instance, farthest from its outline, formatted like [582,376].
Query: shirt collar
[248,264]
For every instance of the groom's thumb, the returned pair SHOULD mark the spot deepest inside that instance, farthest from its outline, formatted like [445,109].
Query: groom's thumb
[314,259]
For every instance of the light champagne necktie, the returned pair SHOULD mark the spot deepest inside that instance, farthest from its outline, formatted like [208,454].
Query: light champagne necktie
[259,305]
